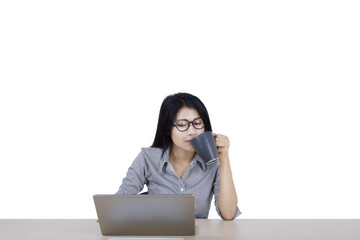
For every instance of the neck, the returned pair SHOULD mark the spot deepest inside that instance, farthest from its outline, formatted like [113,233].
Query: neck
[180,155]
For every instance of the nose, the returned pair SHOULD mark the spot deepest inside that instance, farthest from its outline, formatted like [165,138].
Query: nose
[191,130]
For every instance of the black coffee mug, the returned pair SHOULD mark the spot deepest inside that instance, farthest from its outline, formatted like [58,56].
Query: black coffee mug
[205,147]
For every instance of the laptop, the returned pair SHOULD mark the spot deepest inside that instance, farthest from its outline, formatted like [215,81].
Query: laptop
[146,214]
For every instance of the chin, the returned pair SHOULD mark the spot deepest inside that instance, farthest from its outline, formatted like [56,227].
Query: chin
[185,147]
[191,149]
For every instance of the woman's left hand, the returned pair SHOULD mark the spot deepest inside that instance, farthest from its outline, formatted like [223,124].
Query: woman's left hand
[223,144]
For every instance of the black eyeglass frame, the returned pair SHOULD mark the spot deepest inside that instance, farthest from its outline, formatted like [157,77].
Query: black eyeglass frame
[189,122]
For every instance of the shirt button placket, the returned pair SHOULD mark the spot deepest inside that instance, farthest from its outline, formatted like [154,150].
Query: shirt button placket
[182,188]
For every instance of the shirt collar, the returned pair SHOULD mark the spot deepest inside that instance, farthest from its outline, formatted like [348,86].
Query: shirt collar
[165,160]
[202,163]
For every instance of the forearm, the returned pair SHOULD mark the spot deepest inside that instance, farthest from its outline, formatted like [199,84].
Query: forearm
[227,200]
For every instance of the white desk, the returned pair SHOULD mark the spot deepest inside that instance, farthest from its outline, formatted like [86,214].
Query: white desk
[243,229]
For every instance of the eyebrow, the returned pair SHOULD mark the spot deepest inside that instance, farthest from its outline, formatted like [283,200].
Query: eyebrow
[187,119]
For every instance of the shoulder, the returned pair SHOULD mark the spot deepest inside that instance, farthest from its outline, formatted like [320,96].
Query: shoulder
[147,158]
[151,153]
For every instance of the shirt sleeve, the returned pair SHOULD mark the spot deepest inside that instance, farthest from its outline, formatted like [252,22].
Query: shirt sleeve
[216,195]
[135,178]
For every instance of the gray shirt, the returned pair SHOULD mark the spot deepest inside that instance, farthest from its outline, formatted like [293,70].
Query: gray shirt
[152,167]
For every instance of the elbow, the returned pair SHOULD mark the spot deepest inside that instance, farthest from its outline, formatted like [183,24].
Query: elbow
[228,212]
[228,217]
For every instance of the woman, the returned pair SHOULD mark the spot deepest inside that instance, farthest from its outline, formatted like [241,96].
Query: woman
[171,165]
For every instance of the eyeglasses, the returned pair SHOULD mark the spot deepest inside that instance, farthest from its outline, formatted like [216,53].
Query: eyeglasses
[183,124]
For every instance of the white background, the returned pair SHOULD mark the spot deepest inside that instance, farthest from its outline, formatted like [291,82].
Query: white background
[82,83]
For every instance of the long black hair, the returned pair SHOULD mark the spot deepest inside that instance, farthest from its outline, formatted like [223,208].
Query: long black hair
[168,111]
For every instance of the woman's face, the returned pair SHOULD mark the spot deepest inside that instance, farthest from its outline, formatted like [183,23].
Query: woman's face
[182,139]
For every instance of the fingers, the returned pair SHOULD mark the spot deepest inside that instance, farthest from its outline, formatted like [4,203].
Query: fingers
[222,140]
[223,143]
